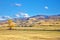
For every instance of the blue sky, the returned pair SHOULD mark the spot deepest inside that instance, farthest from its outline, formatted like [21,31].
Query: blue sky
[29,7]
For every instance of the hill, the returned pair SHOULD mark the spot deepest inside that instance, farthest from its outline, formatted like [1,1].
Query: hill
[37,20]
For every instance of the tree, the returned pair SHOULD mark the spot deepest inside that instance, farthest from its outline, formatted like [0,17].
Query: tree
[11,24]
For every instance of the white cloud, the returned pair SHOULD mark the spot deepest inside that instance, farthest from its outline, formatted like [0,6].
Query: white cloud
[21,13]
[2,19]
[17,15]
[8,17]
[5,17]
[46,7]
[17,4]
[24,14]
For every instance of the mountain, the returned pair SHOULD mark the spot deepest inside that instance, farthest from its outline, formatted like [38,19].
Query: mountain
[39,16]
[36,20]
[55,17]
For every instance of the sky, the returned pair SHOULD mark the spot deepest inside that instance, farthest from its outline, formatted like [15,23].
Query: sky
[27,8]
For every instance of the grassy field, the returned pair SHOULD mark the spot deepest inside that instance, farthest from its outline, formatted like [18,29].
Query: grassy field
[28,34]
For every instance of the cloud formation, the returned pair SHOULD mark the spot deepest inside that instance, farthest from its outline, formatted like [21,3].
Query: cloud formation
[26,15]
[22,14]
[17,15]
[17,4]
[2,18]
[46,7]
[7,17]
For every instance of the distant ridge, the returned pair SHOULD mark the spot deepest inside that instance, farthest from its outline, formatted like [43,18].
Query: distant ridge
[36,16]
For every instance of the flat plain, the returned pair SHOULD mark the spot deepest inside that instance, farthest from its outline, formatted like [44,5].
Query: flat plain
[25,34]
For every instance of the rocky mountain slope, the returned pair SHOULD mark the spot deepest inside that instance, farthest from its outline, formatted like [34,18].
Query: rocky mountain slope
[37,20]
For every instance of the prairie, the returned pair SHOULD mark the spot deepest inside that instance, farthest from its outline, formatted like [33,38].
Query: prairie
[26,33]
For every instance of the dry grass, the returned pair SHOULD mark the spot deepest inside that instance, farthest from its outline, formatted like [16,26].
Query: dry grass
[29,35]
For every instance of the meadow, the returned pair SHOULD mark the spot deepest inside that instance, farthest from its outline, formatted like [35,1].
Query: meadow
[28,33]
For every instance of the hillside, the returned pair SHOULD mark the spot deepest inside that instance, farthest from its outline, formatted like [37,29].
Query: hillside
[38,20]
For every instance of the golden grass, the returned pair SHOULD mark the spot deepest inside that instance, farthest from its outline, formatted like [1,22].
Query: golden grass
[24,33]
[29,35]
